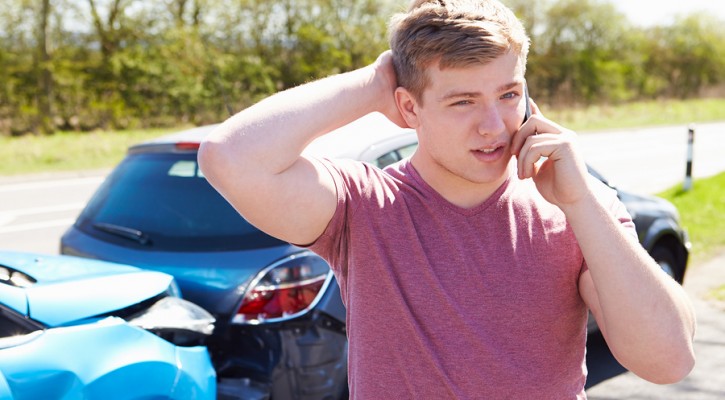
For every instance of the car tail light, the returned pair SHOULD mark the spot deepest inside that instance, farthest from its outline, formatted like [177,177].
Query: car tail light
[284,290]
[184,146]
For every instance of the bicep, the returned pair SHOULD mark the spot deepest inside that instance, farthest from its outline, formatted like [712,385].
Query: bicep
[589,294]
[295,205]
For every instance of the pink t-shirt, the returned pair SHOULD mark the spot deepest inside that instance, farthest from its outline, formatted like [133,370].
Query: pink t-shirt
[451,303]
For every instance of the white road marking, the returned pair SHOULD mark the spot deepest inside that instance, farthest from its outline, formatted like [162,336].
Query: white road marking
[37,225]
[15,187]
[41,210]
[8,217]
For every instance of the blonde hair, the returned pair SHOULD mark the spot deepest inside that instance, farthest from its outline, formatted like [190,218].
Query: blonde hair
[454,33]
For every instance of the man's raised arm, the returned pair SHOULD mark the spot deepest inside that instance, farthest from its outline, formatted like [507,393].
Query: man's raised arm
[254,158]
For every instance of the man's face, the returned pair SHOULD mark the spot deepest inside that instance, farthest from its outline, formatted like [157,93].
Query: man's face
[466,120]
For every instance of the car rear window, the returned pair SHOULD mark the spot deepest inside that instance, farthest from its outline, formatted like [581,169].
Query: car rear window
[161,201]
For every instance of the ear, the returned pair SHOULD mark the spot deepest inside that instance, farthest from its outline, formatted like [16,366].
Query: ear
[407,106]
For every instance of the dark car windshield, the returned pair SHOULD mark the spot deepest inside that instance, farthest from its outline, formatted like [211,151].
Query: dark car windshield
[161,201]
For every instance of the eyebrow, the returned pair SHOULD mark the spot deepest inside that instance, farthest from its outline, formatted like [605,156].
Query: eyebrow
[509,86]
[456,95]
[468,95]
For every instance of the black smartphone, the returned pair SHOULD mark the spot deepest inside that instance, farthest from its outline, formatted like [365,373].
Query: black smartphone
[527,114]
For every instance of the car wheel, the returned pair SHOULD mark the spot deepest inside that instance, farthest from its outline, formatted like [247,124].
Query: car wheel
[666,260]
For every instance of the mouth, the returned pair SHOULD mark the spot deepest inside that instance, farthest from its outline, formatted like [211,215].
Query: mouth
[489,153]
[490,149]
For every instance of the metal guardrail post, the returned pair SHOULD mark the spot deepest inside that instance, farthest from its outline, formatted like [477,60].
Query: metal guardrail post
[688,172]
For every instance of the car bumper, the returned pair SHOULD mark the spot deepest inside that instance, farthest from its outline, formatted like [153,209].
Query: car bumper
[301,359]
[104,360]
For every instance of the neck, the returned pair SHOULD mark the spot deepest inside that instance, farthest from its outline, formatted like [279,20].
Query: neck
[458,190]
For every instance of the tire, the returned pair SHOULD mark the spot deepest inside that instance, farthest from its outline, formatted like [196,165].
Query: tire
[667,261]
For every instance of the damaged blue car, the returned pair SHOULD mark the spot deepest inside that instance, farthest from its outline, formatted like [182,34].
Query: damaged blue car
[73,328]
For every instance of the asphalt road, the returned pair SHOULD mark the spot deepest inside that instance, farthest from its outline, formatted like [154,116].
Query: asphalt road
[653,159]
[36,210]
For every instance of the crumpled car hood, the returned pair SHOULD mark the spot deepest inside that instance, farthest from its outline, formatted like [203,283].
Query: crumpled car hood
[64,284]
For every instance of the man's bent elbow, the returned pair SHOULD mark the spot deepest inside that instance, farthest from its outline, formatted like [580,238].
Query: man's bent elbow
[680,370]
[673,371]
[211,159]
[204,157]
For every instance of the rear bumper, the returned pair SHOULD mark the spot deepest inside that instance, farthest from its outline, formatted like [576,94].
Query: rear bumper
[301,359]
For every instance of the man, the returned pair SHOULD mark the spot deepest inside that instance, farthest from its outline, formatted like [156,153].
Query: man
[467,270]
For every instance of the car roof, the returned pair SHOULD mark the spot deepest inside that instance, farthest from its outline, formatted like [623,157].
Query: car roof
[349,141]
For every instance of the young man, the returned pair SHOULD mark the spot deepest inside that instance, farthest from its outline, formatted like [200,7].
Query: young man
[467,270]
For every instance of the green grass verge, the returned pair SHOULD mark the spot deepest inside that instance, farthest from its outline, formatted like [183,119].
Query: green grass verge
[718,294]
[702,212]
[68,151]
[640,114]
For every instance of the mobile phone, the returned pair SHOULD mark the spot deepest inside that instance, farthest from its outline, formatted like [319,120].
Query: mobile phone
[527,114]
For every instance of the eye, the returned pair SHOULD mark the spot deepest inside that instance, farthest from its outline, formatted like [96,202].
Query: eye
[509,95]
[462,103]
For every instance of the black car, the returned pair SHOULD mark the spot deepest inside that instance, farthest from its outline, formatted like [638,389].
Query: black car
[280,329]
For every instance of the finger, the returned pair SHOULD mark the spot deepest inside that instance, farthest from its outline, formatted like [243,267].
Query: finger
[535,107]
[536,147]
[537,124]
[525,130]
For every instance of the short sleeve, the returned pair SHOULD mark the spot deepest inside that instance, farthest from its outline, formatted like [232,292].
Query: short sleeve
[331,245]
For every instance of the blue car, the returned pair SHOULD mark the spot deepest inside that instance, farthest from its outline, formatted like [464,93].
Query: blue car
[73,328]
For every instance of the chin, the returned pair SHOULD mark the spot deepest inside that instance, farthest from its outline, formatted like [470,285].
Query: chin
[488,178]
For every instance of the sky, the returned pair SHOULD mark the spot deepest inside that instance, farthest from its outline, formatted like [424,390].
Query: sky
[662,12]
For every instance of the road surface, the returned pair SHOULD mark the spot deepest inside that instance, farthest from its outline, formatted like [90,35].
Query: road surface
[653,159]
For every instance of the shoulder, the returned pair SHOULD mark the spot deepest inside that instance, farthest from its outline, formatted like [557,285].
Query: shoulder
[359,178]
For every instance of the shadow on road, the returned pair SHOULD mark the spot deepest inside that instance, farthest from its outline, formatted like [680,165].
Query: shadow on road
[600,362]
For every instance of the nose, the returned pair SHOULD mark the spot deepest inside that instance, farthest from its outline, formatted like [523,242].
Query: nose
[491,122]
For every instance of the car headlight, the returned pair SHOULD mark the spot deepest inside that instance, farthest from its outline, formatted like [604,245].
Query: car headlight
[286,289]
[176,320]
[15,278]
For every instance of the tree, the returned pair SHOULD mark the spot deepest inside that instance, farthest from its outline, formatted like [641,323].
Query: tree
[307,39]
[44,72]
[581,50]
[92,64]
[687,55]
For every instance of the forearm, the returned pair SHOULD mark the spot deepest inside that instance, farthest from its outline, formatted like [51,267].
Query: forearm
[273,133]
[645,315]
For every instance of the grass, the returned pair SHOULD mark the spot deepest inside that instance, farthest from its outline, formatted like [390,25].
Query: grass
[68,151]
[718,294]
[640,114]
[702,212]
